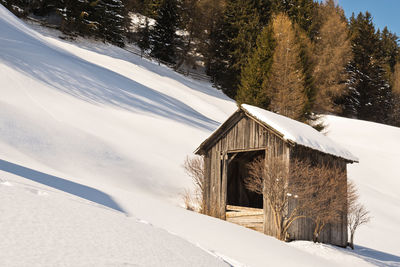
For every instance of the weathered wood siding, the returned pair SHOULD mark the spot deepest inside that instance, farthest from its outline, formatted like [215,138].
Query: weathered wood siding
[275,148]
[241,133]
[302,229]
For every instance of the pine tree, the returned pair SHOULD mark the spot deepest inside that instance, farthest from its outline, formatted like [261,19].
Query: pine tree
[255,73]
[144,36]
[234,38]
[152,8]
[285,84]
[265,9]
[302,12]
[107,20]
[41,8]
[395,114]
[369,92]
[389,48]
[190,22]
[210,29]
[112,21]
[163,36]
[307,65]
[75,16]
[332,52]
[389,53]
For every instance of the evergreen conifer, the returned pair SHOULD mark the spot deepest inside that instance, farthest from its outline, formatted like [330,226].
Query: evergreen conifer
[255,73]
[235,38]
[163,36]
[144,36]
[369,92]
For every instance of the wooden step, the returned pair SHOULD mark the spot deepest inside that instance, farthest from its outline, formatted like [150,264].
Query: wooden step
[251,218]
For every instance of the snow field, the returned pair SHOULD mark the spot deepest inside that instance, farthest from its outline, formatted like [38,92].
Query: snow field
[92,139]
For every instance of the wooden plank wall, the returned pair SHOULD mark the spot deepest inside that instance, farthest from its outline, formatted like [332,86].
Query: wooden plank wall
[302,229]
[275,148]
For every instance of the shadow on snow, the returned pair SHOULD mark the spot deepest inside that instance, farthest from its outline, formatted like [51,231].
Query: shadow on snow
[87,81]
[376,257]
[73,188]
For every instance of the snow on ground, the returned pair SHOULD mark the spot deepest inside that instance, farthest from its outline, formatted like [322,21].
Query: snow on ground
[346,256]
[377,177]
[92,139]
[138,20]
[52,229]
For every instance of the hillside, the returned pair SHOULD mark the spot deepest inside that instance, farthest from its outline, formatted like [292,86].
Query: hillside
[92,139]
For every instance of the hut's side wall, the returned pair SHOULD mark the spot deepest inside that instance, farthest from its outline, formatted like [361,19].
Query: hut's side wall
[302,229]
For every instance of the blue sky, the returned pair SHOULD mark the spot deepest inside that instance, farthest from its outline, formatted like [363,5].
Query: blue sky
[384,12]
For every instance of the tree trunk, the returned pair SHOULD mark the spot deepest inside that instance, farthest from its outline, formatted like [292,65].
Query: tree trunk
[316,232]
[351,244]
[315,237]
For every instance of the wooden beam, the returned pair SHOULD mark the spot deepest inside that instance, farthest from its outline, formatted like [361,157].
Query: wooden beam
[233,156]
[235,151]
[234,214]
[240,208]
[224,185]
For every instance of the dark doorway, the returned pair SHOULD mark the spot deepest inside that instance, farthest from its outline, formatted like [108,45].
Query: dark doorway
[237,193]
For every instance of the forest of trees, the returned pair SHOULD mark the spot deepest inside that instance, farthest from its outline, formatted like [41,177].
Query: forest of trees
[104,19]
[295,57]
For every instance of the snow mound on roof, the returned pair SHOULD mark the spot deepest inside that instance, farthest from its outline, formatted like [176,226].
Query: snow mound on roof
[299,133]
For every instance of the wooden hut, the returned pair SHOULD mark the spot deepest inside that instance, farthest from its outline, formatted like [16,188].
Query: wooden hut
[251,132]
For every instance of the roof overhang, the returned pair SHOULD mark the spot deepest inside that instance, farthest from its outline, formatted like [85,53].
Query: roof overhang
[235,117]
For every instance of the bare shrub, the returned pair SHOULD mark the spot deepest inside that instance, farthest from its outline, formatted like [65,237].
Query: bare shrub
[316,192]
[328,196]
[190,203]
[271,178]
[357,214]
[194,167]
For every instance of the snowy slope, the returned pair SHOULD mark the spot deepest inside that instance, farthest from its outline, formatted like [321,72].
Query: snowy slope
[377,176]
[54,230]
[92,139]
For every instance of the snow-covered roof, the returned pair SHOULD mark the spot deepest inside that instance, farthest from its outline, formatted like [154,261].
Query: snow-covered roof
[299,133]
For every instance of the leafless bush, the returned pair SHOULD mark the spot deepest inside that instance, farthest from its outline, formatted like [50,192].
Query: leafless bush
[194,167]
[271,178]
[316,192]
[328,196]
[357,214]
[190,203]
